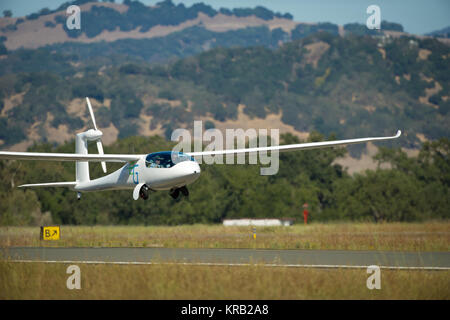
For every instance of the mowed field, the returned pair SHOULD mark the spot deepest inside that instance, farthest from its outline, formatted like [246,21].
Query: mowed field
[428,236]
[37,280]
[169,281]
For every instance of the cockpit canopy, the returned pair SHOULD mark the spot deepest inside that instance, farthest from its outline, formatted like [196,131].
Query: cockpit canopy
[166,159]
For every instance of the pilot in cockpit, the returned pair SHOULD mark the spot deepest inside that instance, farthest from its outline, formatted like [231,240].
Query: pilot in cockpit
[155,164]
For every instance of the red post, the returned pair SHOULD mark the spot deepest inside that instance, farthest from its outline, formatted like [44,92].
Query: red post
[305,213]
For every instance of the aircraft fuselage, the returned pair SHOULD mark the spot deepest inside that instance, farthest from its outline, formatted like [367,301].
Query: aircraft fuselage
[155,177]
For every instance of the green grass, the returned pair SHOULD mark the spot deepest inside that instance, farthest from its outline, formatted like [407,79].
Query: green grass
[171,281]
[165,281]
[429,236]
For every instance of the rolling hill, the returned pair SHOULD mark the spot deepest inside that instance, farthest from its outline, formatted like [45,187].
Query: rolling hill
[150,70]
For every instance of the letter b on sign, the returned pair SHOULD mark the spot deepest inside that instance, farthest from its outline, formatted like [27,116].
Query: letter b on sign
[373,21]
[374,281]
[74,281]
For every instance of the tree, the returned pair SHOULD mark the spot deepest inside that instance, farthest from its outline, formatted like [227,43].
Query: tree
[21,208]
[7,13]
[381,195]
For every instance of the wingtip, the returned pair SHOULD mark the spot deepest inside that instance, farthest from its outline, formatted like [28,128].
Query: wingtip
[399,133]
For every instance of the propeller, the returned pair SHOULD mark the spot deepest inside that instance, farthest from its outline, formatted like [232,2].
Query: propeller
[99,142]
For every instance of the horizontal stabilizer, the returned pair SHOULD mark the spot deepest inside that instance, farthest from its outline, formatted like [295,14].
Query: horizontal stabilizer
[51,184]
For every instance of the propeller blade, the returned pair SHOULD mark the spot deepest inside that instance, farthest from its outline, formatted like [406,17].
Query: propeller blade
[91,112]
[99,142]
[100,151]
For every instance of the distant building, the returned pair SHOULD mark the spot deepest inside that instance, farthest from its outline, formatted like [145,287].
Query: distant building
[259,222]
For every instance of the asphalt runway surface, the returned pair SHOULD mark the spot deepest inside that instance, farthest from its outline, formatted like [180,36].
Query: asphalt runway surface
[306,258]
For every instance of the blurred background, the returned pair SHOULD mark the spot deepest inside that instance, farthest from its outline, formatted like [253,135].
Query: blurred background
[311,69]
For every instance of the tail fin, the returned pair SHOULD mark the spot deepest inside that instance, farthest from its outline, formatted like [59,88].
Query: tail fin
[81,147]
[81,167]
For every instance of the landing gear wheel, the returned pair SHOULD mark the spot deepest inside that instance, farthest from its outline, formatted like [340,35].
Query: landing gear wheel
[175,193]
[143,193]
[184,191]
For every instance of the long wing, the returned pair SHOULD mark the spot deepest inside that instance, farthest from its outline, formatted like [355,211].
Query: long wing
[69,156]
[128,158]
[294,147]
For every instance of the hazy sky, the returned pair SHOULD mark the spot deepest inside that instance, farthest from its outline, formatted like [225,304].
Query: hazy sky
[416,16]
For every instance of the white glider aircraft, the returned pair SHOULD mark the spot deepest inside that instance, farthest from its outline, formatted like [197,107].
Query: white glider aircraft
[165,170]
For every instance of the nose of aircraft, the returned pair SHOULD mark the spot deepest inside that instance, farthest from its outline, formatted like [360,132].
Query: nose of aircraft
[195,170]
[191,170]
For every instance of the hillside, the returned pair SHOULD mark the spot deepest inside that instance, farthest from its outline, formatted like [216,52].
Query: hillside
[442,33]
[103,21]
[165,66]
[351,86]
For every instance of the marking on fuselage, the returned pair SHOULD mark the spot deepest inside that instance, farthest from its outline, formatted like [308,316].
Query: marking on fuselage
[134,173]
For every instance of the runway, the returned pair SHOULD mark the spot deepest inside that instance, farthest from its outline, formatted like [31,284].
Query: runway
[291,258]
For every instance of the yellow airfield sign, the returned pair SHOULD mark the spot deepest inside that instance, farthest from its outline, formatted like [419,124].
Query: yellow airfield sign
[50,233]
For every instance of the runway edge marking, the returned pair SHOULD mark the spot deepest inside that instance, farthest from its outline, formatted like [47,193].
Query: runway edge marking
[320,266]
